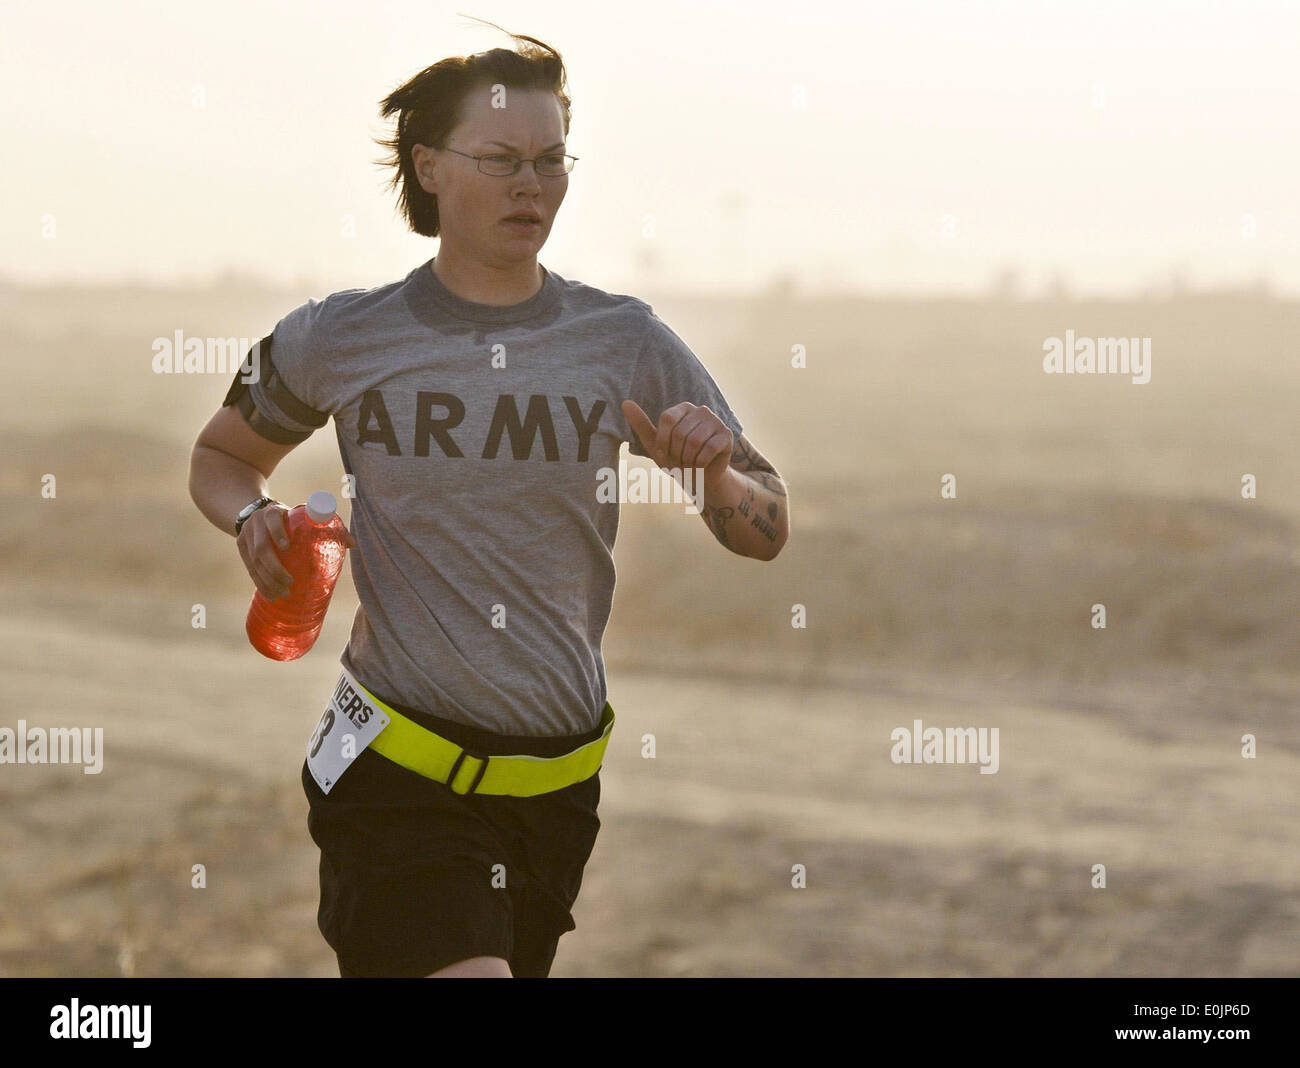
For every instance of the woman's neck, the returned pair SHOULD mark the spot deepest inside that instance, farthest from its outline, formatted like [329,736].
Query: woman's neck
[488,285]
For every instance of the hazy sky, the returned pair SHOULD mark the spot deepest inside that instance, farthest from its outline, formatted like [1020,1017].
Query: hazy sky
[854,146]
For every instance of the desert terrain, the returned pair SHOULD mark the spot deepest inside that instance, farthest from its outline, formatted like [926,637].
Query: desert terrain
[1119,746]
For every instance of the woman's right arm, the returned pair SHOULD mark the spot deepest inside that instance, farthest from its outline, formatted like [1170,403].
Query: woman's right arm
[229,466]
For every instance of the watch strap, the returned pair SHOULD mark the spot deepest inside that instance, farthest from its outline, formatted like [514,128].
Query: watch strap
[248,510]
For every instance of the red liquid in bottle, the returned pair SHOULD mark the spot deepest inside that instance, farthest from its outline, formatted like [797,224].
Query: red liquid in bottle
[287,628]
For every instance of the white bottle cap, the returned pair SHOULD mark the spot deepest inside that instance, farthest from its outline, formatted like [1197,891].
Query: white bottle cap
[321,506]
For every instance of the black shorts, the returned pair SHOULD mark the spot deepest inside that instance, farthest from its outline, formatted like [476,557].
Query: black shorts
[410,871]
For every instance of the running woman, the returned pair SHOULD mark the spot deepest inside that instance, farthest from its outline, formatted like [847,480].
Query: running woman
[476,403]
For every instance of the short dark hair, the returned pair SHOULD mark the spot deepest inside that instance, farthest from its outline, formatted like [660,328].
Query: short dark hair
[428,108]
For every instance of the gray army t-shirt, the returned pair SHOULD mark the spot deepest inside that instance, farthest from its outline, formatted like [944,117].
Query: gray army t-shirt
[476,485]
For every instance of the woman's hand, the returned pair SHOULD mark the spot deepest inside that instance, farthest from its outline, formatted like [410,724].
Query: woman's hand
[688,436]
[262,533]
[259,535]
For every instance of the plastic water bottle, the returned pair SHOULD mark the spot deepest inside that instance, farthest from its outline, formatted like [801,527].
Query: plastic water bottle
[287,628]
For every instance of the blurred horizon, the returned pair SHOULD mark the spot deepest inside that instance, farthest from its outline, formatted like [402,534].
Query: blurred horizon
[1005,285]
[1109,150]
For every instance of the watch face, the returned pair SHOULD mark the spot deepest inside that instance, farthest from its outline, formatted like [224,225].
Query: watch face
[249,509]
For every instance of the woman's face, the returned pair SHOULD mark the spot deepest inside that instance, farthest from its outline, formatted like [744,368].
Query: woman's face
[472,206]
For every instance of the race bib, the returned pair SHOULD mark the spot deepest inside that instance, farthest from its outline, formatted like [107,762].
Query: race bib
[350,723]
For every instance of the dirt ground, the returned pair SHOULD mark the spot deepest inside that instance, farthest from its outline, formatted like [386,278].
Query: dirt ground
[1120,747]
[911,870]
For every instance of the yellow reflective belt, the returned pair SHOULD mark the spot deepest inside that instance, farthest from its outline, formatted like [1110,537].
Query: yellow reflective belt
[418,749]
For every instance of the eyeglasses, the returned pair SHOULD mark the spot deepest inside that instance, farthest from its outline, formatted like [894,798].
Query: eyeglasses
[502,166]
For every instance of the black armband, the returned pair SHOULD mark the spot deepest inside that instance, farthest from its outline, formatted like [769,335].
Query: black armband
[301,419]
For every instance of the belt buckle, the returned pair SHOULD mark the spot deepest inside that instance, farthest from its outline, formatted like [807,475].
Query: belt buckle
[455,769]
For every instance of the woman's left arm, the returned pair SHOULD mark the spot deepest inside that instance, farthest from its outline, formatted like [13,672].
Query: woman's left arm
[747,507]
[745,503]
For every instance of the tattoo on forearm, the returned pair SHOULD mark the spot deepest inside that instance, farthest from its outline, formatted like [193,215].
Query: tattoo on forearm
[749,461]
[745,506]
[764,527]
[748,507]
[762,510]
[717,520]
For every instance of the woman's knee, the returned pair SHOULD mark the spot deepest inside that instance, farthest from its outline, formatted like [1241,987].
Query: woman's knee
[474,968]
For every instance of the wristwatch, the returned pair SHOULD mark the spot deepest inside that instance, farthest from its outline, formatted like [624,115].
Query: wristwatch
[248,510]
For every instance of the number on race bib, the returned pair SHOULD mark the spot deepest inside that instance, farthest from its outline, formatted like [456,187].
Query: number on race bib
[323,728]
[331,753]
